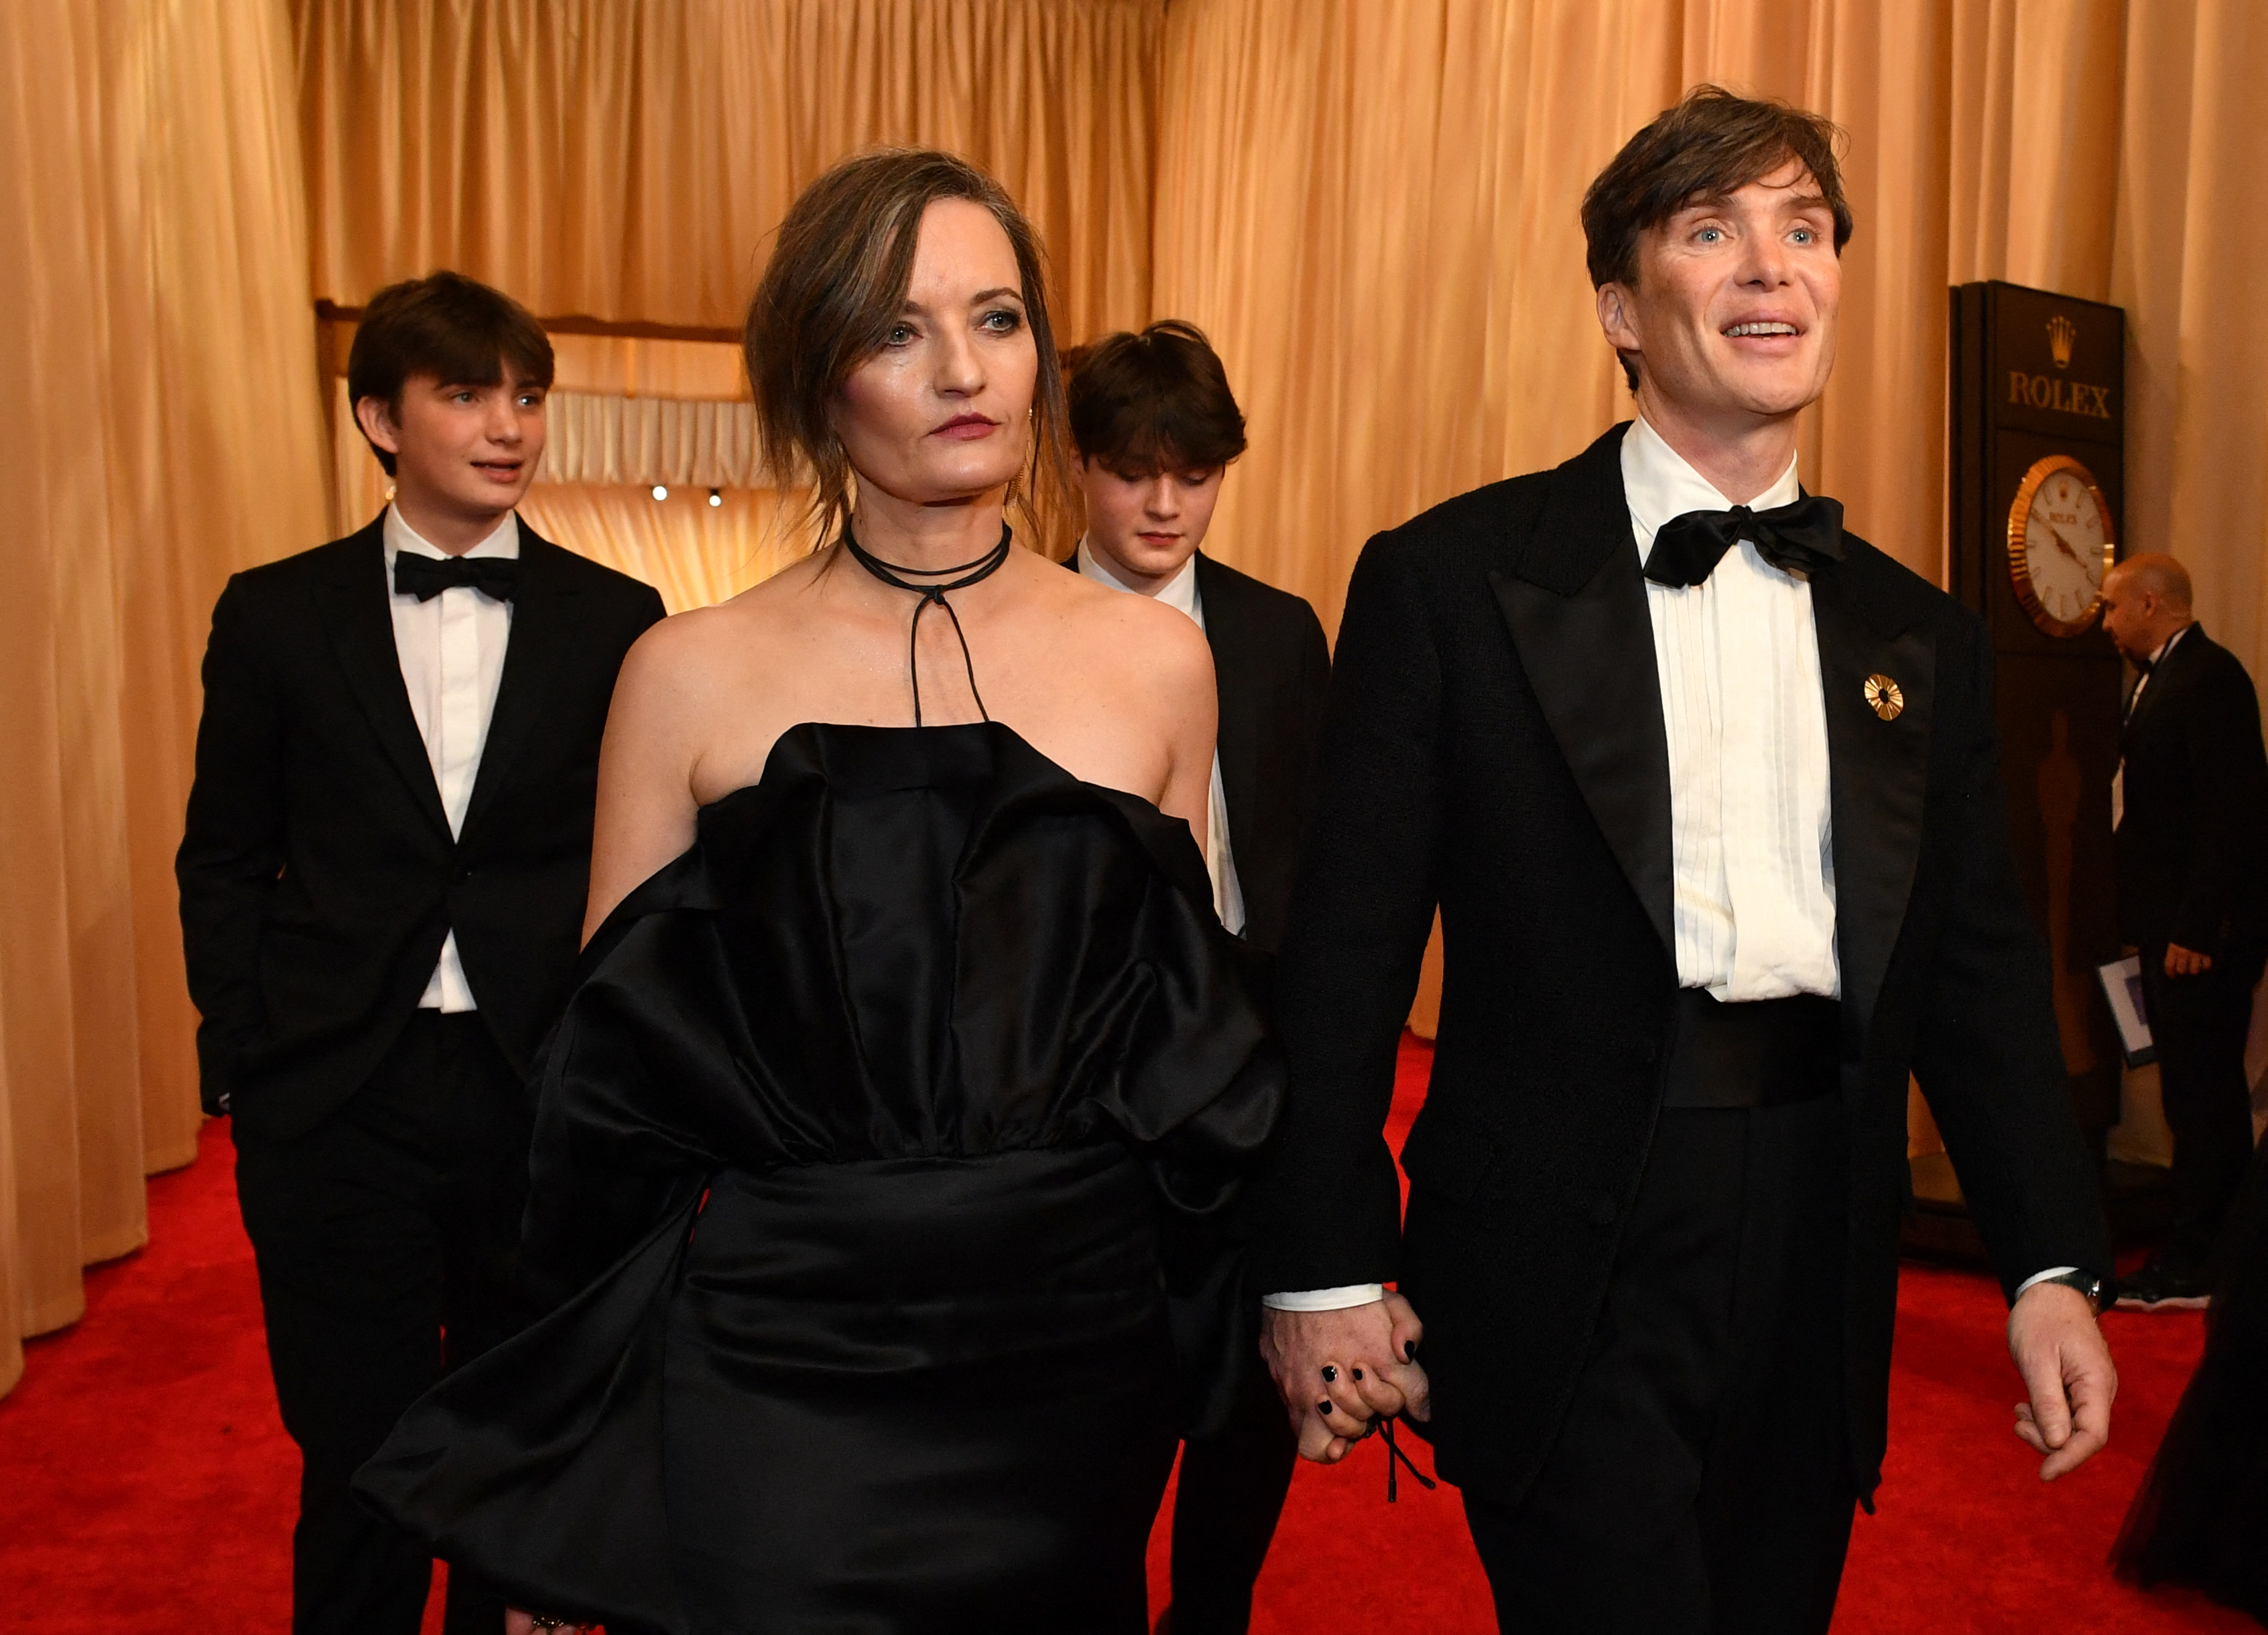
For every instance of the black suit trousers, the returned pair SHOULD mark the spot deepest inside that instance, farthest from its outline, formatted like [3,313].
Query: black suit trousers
[1226,1502]
[2199,1024]
[387,1242]
[1700,1481]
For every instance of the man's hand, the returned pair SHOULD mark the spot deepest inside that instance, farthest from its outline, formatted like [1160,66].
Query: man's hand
[2066,1367]
[1339,1370]
[2182,962]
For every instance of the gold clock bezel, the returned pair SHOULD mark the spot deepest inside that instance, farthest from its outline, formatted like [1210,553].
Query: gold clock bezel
[2019,515]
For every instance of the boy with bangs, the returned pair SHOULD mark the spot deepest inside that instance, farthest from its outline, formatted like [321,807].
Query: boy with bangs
[382,881]
[1155,427]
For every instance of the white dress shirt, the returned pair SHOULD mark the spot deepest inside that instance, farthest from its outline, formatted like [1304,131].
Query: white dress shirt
[1745,711]
[1220,863]
[451,652]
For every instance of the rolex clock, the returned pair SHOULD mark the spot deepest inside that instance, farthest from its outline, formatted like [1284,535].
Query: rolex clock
[2060,544]
[2037,474]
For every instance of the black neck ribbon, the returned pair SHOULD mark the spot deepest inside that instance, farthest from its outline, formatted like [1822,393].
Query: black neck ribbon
[967,574]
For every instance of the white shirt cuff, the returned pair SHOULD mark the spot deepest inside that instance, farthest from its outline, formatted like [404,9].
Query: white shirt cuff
[2042,1277]
[1325,1300]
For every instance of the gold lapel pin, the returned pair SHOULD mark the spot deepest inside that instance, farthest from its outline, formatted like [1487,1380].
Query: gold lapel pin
[1884,698]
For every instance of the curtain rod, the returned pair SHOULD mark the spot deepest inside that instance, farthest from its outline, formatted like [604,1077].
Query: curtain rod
[330,312]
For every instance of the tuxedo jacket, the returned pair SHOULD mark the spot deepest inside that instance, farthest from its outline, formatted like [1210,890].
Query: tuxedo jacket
[318,875]
[1272,671]
[2192,846]
[1495,746]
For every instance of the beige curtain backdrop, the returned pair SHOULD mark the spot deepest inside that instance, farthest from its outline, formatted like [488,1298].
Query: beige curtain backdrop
[628,159]
[159,430]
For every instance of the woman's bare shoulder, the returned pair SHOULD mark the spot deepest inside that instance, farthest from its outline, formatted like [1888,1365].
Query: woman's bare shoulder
[1161,645]
[705,645]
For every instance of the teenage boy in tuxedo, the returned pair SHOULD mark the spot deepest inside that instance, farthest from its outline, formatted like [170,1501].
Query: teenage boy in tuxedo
[1708,791]
[382,883]
[1155,426]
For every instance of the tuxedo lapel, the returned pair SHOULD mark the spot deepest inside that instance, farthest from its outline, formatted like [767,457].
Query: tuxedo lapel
[2164,673]
[1575,603]
[1238,736]
[356,614]
[1879,770]
[542,622]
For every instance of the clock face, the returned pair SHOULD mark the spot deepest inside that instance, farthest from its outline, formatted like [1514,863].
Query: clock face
[2059,545]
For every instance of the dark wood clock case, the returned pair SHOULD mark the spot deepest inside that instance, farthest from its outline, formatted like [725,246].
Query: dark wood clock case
[2034,374]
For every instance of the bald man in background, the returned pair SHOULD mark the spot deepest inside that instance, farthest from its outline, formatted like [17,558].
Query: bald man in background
[2190,809]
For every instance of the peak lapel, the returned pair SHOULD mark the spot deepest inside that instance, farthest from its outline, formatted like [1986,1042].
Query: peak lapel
[1575,604]
[357,617]
[541,626]
[1878,769]
[1237,734]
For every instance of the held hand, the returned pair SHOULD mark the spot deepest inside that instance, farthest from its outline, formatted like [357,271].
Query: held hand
[1339,1371]
[2067,1370]
[519,1622]
[2182,962]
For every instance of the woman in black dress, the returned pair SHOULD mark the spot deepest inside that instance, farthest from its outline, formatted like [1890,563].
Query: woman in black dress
[884,1180]
[2201,1518]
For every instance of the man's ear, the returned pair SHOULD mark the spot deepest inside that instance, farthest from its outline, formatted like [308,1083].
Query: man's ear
[375,416]
[1613,307]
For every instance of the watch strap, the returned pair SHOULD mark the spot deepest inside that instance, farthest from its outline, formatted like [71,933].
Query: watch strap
[2099,1292]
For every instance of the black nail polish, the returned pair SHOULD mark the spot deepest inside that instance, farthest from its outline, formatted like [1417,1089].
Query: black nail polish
[1331,1374]
[1357,1373]
[1324,1409]
[1409,1351]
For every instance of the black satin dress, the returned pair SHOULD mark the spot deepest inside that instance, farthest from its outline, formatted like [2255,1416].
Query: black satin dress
[885,1178]
[2201,1518]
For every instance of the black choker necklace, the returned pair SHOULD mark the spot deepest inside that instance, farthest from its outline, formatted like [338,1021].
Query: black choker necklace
[970,572]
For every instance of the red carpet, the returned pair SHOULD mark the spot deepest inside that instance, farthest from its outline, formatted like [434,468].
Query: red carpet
[145,1482]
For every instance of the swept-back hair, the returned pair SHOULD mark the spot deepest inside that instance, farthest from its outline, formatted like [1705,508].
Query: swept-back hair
[837,280]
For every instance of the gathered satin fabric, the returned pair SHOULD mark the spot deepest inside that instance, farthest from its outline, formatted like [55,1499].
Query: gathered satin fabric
[884,1187]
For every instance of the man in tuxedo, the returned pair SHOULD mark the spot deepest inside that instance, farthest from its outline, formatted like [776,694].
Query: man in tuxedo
[1155,426]
[382,887]
[1707,791]
[2190,813]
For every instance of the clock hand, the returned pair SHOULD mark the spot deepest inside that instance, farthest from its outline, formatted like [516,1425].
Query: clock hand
[2065,545]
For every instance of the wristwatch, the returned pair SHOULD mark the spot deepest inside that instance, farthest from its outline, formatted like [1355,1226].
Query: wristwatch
[2100,1295]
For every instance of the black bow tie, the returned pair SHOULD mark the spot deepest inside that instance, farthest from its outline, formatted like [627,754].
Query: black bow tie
[1801,538]
[496,578]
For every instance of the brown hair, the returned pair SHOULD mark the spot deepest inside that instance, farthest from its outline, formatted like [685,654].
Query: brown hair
[837,280]
[454,328]
[1709,145]
[1155,402]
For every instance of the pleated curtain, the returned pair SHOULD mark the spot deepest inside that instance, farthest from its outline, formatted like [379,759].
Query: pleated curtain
[160,428]
[1369,203]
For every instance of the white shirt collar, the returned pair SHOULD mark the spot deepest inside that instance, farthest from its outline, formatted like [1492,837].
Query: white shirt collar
[399,536]
[1181,591]
[1659,485]
[2166,646]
